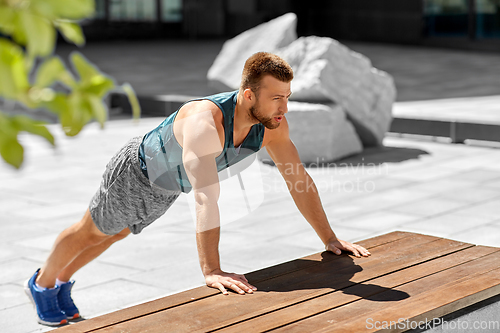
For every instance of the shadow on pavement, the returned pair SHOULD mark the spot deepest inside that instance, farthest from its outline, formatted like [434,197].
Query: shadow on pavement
[373,156]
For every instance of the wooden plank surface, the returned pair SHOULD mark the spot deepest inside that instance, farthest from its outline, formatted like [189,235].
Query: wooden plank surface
[199,293]
[365,290]
[325,291]
[280,291]
[434,286]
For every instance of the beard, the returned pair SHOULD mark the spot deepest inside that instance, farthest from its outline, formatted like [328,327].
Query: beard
[266,121]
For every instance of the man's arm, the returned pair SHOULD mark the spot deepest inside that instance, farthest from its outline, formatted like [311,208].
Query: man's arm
[199,137]
[304,191]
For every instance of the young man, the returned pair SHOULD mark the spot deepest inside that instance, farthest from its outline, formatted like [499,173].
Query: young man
[184,153]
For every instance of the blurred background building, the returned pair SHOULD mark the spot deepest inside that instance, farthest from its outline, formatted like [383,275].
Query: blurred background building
[465,24]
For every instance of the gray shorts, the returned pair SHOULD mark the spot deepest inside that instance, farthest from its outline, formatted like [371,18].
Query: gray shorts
[126,198]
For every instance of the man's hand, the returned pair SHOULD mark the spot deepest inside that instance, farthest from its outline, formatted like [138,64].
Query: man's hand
[222,280]
[337,245]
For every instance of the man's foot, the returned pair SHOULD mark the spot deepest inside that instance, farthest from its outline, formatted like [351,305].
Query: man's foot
[45,303]
[66,302]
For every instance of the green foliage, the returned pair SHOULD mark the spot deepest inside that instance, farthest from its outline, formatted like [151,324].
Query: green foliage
[32,26]
[10,148]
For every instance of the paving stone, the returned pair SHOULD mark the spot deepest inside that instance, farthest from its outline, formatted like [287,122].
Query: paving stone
[481,160]
[260,229]
[97,272]
[115,294]
[40,242]
[425,174]
[495,183]
[265,254]
[187,275]
[13,231]
[9,251]
[488,209]
[378,220]
[57,211]
[344,210]
[54,225]
[473,194]
[446,225]
[150,251]
[442,185]
[383,183]
[488,235]
[478,175]
[11,296]
[306,238]
[21,318]
[17,270]
[385,200]
[430,206]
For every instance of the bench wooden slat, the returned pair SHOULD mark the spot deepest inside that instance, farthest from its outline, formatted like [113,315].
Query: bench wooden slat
[462,280]
[313,259]
[202,292]
[437,303]
[303,285]
[363,269]
[333,300]
[327,292]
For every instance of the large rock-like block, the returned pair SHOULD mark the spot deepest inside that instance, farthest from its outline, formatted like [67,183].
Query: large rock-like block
[326,70]
[267,37]
[320,132]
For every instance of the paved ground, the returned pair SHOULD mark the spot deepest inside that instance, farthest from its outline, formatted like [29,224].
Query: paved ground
[411,184]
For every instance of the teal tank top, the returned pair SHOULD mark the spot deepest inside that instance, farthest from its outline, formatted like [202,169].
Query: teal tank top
[160,154]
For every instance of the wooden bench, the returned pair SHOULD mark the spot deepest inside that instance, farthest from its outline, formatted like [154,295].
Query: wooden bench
[409,276]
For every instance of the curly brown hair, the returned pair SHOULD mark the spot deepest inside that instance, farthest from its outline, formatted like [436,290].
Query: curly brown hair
[261,64]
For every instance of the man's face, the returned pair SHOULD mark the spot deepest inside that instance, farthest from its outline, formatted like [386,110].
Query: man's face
[271,102]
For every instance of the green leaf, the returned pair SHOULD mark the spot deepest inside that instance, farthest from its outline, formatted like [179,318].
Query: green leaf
[68,123]
[74,9]
[58,105]
[100,85]
[18,34]
[84,68]
[49,71]
[134,102]
[71,31]
[13,75]
[92,81]
[77,115]
[11,151]
[99,110]
[6,19]
[35,127]
[40,35]
[10,126]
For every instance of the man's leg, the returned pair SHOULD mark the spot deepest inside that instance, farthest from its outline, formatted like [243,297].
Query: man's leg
[75,247]
[90,254]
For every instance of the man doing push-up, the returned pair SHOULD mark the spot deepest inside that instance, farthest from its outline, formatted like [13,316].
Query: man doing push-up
[186,152]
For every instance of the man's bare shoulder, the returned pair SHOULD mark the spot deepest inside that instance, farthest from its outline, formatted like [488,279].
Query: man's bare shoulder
[204,117]
[200,107]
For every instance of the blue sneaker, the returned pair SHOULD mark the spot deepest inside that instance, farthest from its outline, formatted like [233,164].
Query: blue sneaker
[45,302]
[66,302]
